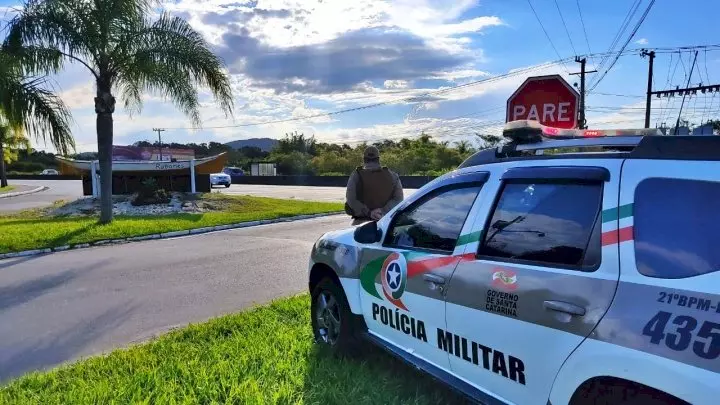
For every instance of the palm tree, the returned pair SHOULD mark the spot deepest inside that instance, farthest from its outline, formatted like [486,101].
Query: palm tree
[463,147]
[126,53]
[11,141]
[715,126]
[488,140]
[27,106]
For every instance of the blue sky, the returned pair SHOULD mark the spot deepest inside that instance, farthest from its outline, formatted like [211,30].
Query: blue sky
[295,58]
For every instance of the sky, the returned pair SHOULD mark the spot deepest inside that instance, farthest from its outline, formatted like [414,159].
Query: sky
[292,59]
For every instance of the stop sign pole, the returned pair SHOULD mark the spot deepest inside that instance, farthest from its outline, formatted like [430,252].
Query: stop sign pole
[549,100]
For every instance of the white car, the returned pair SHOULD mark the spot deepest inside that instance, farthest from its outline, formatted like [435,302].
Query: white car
[532,278]
[220,179]
[49,172]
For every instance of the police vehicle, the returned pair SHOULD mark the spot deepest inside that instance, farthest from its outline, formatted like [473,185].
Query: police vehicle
[564,267]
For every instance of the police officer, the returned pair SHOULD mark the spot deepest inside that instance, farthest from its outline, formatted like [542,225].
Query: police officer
[372,190]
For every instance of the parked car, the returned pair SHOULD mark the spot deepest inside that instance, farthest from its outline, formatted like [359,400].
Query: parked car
[220,179]
[528,278]
[49,172]
[233,171]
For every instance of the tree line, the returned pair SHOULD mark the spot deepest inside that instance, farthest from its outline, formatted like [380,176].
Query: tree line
[297,154]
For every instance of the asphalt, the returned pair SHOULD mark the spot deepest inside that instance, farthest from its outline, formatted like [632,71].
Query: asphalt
[334,194]
[18,188]
[68,190]
[63,306]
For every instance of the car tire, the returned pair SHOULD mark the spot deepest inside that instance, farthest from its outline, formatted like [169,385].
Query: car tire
[333,326]
[227,186]
[622,393]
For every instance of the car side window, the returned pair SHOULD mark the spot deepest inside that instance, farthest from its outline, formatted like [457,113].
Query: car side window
[677,237]
[546,223]
[434,222]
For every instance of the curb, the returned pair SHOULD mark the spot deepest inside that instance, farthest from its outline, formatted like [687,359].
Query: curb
[19,193]
[166,235]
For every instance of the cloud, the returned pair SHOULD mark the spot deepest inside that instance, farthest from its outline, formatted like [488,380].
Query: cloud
[642,41]
[294,58]
[395,84]
[239,16]
[366,55]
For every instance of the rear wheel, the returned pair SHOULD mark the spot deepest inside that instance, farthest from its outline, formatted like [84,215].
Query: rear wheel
[227,185]
[332,321]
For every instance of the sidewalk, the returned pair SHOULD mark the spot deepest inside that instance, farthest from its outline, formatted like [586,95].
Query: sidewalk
[21,189]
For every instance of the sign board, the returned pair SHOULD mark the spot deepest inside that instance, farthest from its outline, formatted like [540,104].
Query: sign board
[150,153]
[547,99]
[263,169]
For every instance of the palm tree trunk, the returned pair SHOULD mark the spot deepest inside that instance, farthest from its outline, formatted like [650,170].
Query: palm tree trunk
[3,174]
[104,107]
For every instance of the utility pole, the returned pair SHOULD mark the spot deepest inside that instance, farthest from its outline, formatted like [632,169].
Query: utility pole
[159,130]
[685,94]
[648,101]
[581,119]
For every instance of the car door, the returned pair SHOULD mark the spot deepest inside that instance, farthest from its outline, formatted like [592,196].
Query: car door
[668,301]
[539,280]
[402,276]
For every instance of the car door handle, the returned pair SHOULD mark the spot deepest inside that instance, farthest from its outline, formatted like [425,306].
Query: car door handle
[437,283]
[432,278]
[566,307]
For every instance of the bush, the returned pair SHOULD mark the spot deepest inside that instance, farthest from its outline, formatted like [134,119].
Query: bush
[150,193]
[26,167]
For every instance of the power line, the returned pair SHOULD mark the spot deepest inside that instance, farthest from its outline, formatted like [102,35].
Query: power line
[632,34]
[669,80]
[621,30]
[618,95]
[683,66]
[707,76]
[687,85]
[546,34]
[566,28]
[582,21]
[414,98]
[436,125]
[629,109]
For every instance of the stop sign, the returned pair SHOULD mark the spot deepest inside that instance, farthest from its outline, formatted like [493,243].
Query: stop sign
[547,99]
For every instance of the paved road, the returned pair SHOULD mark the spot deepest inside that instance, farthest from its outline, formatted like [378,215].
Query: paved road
[334,194]
[59,307]
[68,190]
[17,188]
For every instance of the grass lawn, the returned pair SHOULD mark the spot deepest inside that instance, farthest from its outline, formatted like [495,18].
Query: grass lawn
[6,189]
[263,356]
[32,230]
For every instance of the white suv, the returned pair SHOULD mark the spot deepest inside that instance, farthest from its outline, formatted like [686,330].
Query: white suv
[220,179]
[534,276]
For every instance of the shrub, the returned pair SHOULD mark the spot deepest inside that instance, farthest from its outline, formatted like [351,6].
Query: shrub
[26,167]
[150,193]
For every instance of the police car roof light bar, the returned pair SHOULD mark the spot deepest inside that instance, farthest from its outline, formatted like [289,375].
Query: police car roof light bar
[527,136]
[530,131]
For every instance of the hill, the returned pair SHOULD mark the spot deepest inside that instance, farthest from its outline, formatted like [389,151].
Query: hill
[265,144]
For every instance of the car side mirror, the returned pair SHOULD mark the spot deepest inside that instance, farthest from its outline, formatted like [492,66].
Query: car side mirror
[368,233]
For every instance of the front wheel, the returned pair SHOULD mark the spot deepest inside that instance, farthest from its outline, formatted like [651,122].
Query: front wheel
[227,186]
[331,318]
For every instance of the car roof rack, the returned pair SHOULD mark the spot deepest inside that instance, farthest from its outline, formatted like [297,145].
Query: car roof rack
[528,138]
